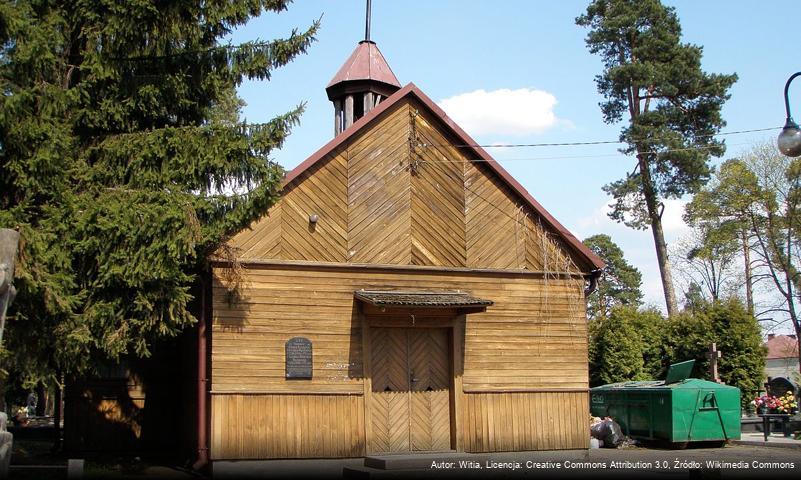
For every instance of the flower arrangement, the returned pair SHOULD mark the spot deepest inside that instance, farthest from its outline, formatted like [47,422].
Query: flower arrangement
[21,416]
[787,404]
[784,404]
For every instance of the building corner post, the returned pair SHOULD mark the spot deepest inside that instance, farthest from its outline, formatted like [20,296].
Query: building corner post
[202,376]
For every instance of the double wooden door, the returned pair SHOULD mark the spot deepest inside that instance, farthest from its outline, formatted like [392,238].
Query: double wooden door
[410,404]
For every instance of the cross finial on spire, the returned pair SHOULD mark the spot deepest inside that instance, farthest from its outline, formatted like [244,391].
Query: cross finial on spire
[367,23]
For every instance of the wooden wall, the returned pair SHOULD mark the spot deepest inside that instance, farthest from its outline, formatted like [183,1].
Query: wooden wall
[403,199]
[531,341]
[332,426]
[382,199]
[287,426]
[520,421]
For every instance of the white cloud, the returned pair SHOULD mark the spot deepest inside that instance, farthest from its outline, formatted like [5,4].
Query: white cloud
[638,245]
[672,221]
[503,112]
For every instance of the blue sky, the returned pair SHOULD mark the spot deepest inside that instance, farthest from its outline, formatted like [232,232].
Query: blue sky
[530,60]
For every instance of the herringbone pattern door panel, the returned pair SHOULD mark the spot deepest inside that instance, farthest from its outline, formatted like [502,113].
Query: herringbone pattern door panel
[390,399]
[390,363]
[410,390]
[430,396]
[391,422]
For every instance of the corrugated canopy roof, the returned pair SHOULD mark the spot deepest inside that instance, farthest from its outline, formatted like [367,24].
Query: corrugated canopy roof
[390,298]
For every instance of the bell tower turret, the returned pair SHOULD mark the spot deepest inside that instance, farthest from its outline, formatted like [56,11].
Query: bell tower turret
[363,81]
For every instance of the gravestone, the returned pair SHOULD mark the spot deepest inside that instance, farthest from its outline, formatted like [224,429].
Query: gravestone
[778,386]
[713,355]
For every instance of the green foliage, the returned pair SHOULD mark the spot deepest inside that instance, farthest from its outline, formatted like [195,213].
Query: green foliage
[694,297]
[620,282]
[673,106]
[722,212]
[636,344]
[707,257]
[737,335]
[626,345]
[119,142]
[759,195]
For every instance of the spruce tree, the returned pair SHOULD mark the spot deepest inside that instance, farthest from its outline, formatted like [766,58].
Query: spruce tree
[123,163]
[671,104]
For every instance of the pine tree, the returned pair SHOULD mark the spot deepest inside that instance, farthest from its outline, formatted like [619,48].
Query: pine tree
[673,110]
[620,281]
[723,208]
[119,149]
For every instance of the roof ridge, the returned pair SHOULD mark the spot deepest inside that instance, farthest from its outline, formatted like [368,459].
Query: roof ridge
[411,89]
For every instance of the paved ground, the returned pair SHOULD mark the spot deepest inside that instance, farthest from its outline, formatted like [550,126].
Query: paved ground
[733,461]
[775,439]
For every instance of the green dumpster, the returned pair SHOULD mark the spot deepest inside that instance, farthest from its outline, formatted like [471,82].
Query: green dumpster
[676,410]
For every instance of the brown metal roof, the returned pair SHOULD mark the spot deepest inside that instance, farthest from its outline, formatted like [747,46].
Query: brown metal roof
[410,89]
[365,63]
[394,298]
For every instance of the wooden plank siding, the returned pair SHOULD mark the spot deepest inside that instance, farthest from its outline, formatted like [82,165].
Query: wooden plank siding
[401,193]
[286,426]
[534,337]
[522,421]
[332,426]
[531,342]
[319,191]
[438,198]
[401,206]
[379,193]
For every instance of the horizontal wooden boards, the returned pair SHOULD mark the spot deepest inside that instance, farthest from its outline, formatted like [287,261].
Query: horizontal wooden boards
[533,337]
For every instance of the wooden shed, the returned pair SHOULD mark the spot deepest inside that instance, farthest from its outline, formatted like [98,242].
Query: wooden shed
[406,294]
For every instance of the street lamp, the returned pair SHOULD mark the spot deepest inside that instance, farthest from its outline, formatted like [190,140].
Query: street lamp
[790,139]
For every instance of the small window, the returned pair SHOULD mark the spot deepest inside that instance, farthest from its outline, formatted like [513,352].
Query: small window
[358,106]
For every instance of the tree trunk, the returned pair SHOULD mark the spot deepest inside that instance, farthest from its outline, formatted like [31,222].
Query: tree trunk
[3,396]
[659,235]
[749,293]
[798,336]
[41,399]
[58,413]
[664,265]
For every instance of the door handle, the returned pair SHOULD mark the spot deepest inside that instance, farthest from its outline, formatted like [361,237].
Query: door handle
[412,379]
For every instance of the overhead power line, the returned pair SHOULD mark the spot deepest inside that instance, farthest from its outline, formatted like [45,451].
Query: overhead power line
[577,144]
[567,157]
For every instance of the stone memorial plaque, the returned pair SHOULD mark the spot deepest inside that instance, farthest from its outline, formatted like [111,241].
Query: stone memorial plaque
[298,358]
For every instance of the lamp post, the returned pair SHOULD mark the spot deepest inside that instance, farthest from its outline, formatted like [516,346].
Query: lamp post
[789,140]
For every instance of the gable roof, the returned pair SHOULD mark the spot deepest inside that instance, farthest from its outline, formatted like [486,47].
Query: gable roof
[412,90]
[782,346]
